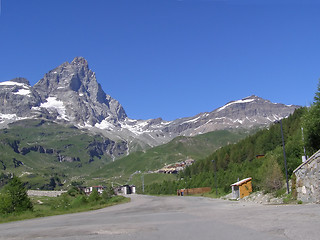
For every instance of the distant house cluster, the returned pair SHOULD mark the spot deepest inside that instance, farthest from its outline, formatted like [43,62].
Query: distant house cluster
[125,189]
[176,167]
[88,190]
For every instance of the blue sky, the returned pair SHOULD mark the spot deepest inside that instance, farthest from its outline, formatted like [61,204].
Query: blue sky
[170,58]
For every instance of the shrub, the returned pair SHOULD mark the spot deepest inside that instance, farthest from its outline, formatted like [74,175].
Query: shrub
[74,191]
[5,203]
[107,193]
[61,202]
[94,196]
[273,177]
[14,197]
[79,201]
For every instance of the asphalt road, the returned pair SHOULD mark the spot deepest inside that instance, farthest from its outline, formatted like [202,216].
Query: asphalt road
[192,218]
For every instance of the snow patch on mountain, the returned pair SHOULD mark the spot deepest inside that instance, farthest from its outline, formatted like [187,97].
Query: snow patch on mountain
[54,104]
[12,83]
[245,100]
[24,92]
[104,124]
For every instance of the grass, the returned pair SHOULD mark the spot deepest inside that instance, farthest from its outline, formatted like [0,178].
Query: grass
[50,206]
[179,149]
[23,143]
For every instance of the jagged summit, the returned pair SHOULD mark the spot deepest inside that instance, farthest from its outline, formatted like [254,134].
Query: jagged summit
[74,86]
[80,61]
[21,80]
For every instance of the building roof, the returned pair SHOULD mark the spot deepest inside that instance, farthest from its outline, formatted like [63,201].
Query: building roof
[241,182]
[310,159]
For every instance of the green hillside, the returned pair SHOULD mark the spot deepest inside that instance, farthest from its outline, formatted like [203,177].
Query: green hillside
[46,154]
[179,149]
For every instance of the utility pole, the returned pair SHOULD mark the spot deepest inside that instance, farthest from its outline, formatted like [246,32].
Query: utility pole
[284,156]
[215,175]
[304,148]
[142,180]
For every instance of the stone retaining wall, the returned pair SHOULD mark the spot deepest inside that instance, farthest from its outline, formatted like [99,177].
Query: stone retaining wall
[45,193]
[308,180]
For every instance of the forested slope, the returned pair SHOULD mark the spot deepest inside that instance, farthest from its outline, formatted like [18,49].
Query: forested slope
[259,156]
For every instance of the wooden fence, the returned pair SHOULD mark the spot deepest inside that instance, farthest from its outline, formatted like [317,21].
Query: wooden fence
[193,191]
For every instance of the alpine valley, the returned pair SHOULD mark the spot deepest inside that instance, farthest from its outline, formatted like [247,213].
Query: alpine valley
[66,125]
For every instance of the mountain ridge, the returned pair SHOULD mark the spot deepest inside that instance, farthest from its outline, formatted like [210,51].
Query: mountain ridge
[70,93]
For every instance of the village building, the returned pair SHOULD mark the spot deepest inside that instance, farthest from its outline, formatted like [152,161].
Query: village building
[308,179]
[176,167]
[126,189]
[88,190]
[241,188]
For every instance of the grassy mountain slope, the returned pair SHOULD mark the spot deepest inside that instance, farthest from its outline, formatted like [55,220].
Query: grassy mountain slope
[48,155]
[179,149]
[43,152]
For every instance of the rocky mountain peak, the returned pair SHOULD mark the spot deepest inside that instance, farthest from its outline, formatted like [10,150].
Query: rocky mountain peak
[67,76]
[80,61]
[21,80]
[74,88]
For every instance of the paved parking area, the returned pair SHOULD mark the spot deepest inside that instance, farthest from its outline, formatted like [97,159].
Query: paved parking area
[192,218]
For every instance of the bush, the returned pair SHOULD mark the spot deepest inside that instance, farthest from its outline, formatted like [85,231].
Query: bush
[107,194]
[79,201]
[5,202]
[14,197]
[62,202]
[94,196]
[74,191]
[273,177]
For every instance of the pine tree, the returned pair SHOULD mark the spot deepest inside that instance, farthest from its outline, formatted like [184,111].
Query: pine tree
[312,124]
[14,196]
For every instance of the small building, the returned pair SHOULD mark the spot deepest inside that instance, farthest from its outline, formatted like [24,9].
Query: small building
[88,190]
[126,189]
[241,188]
[308,179]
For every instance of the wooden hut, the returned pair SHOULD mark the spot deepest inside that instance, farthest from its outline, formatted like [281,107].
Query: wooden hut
[241,188]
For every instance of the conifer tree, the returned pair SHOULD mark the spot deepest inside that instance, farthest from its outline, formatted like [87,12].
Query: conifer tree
[15,198]
[312,124]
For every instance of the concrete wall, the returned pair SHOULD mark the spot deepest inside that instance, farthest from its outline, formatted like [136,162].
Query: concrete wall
[308,180]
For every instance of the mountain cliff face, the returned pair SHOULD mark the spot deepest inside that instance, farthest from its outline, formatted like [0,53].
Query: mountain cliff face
[17,98]
[70,93]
